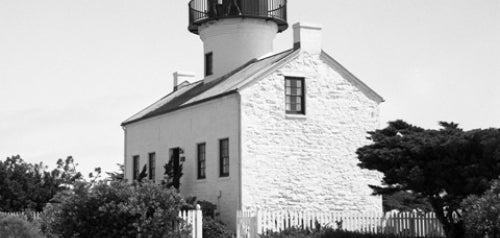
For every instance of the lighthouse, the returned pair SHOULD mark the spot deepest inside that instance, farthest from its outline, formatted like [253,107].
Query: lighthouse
[235,31]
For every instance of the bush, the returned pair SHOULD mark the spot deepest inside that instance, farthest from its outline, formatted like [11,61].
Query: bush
[12,226]
[117,209]
[322,233]
[482,214]
[215,229]
[291,233]
[207,209]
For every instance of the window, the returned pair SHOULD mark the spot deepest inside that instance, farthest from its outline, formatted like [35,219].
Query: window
[152,166]
[209,64]
[201,161]
[135,167]
[224,157]
[294,95]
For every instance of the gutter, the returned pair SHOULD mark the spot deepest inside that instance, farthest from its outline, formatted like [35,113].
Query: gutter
[181,107]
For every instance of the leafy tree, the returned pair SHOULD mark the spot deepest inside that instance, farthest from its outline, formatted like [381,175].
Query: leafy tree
[31,186]
[441,166]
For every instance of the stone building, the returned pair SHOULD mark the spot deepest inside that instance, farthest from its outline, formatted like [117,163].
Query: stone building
[261,129]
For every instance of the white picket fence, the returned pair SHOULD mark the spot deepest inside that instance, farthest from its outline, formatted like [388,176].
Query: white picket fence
[403,224]
[24,215]
[194,218]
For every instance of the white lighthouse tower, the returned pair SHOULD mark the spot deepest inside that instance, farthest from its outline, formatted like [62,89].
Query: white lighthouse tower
[235,31]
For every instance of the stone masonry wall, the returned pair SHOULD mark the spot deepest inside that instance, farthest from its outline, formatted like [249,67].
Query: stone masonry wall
[307,162]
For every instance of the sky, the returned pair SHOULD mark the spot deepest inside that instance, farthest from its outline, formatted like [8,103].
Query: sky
[72,70]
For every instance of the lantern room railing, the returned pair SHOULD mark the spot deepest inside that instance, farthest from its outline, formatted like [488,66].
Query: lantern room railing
[201,11]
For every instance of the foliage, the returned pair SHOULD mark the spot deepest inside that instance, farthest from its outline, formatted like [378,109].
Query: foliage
[12,226]
[117,176]
[172,175]
[143,174]
[215,229]
[293,232]
[325,232]
[404,201]
[482,213]
[115,209]
[48,220]
[441,166]
[31,186]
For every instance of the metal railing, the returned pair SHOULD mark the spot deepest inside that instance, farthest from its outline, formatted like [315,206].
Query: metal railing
[201,11]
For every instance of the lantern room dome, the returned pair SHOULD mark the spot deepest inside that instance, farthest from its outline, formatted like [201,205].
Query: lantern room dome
[202,11]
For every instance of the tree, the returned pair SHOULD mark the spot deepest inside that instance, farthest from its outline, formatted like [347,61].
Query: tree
[30,186]
[441,166]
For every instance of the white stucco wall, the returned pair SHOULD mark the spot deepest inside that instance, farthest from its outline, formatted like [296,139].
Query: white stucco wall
[307,162]
[206,122]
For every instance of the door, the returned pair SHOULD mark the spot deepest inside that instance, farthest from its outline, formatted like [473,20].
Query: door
[176,170]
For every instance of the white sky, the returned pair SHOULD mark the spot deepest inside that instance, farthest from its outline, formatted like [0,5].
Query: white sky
[72,70]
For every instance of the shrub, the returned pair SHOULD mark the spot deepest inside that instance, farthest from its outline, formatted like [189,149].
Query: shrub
[117,209]
[482,214]
[293,232]
[12,226]
[207,209]
[325,232]
[330,233]
[215,229]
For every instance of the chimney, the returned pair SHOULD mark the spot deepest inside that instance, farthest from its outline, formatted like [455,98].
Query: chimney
[307,37]
[180,77]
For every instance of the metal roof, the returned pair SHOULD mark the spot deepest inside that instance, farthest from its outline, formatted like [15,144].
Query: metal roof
[200,91]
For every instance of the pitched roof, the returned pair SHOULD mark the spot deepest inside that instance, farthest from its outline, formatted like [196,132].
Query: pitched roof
[200,91]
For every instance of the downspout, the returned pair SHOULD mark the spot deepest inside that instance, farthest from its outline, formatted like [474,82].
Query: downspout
[125,170]
[240,151]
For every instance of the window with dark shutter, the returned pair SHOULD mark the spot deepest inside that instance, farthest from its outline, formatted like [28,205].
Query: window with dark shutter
[295,95]
[224,157]
[152,166]
[135,167]
[201,161]
[209,64]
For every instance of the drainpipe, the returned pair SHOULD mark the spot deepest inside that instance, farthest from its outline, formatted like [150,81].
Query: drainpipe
[125,171]
[240,152]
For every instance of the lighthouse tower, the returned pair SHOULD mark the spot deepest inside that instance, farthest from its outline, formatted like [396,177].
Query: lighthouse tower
[235,31]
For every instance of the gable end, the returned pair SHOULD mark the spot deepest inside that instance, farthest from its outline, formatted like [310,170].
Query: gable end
[353,79]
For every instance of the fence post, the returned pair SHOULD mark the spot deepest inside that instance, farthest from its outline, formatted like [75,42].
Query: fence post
[198,222]
[257,221]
